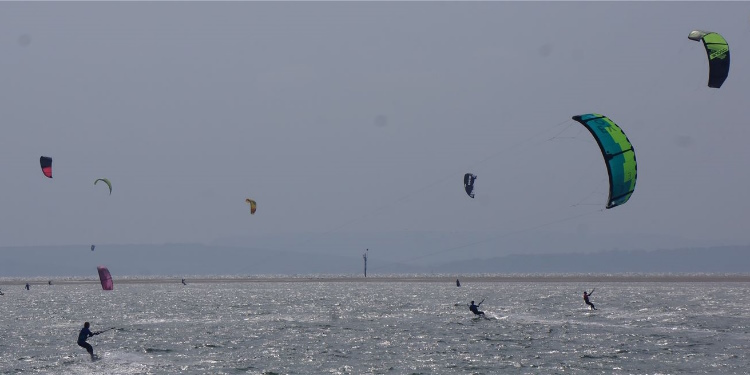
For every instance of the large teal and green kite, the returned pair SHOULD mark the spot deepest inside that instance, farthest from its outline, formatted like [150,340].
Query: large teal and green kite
[618,155]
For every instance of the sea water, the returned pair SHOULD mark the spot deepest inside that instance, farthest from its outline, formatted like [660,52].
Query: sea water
[388,327]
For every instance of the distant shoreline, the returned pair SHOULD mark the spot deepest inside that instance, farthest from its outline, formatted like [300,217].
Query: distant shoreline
[396,278]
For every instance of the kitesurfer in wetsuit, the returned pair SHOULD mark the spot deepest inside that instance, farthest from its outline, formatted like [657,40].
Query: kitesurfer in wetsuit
[586,299]
[475,308]
[183,282]
[83,336]
[27,286]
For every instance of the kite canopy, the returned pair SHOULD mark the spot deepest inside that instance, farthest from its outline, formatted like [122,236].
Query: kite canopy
[252,205]
[717,50]
[469,184]
[46,163]
[106,181]
[105,278]
[618,155]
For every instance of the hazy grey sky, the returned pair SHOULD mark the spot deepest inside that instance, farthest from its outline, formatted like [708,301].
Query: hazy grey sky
[326,112]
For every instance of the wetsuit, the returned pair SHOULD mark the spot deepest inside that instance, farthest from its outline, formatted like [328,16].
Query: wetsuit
[82,337]
[475,309]
[586,299]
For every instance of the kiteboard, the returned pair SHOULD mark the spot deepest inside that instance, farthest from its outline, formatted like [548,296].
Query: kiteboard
[485,317]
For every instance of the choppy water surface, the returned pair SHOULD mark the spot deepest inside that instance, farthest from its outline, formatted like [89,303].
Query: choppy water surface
[378,328]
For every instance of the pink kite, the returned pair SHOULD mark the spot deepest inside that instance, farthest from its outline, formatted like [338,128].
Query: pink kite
[105,277]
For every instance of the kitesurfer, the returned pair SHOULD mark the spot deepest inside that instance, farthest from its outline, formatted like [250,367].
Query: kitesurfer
[183,282]
[475,308]
[83,336]
[458,283]
[27,286]
[586,299]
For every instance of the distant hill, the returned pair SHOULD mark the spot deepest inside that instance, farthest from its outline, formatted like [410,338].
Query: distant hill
[429,248]
[729,259]
[177,259]
[198,259]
